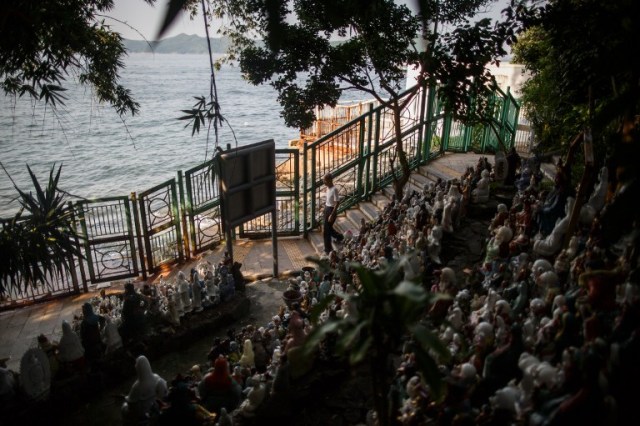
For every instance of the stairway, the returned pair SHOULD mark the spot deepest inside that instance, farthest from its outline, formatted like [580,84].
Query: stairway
[449,166]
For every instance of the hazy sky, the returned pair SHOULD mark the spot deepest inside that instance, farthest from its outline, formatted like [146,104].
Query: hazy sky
[147,19]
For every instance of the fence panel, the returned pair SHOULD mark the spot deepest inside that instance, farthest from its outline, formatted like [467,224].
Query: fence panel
[287,200]
[160,221]
[203,207]
[109,238]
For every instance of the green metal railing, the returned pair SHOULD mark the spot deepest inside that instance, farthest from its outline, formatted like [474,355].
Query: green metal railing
[123,237]
[360,154]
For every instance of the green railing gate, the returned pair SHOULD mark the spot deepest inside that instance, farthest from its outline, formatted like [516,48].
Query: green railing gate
[109,238]
[161,229]
[203,207]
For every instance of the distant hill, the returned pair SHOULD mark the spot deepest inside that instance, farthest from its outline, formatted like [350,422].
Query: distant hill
[182,43]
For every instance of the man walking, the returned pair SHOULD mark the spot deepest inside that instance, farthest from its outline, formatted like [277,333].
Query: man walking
[332,199]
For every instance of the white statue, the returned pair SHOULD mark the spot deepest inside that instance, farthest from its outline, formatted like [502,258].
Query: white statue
[70,347]
[183,288]
[247,358]
[255,397]
[111,336]
[196,292]
[434,243]
[481,193]
[35,374]
[599,194]
[173,315]
[177,301]
[455,197]
[447,217]
[213,291]
[144,393]
[552,243]
[225,418]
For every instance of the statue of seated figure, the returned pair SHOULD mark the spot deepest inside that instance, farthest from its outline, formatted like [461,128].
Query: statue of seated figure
[143,397]
[552,243]
[481,193]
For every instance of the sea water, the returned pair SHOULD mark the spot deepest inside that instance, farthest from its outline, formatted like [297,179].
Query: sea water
[103,154]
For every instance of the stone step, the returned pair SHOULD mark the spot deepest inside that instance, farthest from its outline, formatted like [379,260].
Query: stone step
[380,200]
[370,210]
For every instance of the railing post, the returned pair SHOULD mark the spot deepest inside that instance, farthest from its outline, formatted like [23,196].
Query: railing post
[305,203]
[376,142]
[144,265]
[361,190]
[423,97]
[87,249]
[368,180]
[296,190]
[313,185]
[428,133]
[72,265]
[183,211]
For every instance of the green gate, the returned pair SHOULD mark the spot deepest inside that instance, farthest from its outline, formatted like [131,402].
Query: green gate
[203,207]
[109,238]
[160,221]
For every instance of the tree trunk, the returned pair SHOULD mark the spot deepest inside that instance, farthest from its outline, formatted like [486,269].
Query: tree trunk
[405,171]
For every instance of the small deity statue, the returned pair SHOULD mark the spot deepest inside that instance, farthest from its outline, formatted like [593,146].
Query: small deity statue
[146,391]
[227,284]
[497,248]
[51,350]
[553,204]
[255,397]
[438,205]
[599,194]
[182,407]
[90,332]
[324,287]
[184,289]
[172,315]
[134,323]
[213,291]
[35,376]
[552,243]
[110,336]
[196,291]
[219,389]
[434,243]
[447,217]
[501,216]
[481,193]
[247,359]
[70,350]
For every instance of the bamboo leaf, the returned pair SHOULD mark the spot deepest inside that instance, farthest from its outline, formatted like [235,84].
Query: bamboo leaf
[360,350]
[410,291]
[428,341]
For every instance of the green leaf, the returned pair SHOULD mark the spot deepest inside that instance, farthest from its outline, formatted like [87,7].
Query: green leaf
[360,350]
[318,334]
[349,337]
[410,291]
[427,341]
[431,375]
